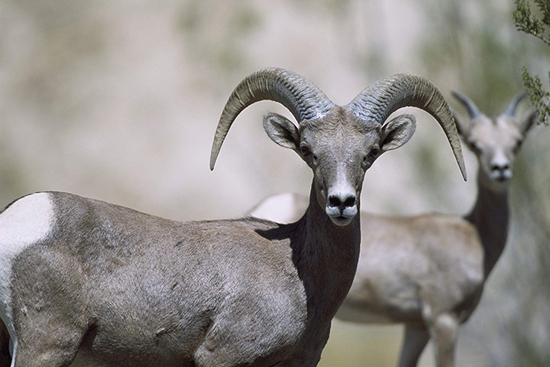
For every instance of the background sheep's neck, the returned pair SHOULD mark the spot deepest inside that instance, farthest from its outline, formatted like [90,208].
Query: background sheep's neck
[490,215]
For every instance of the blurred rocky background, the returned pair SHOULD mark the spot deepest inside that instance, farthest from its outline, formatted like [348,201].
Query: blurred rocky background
[119,101]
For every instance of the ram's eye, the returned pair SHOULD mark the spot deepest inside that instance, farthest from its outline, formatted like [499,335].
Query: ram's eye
[373,154]
[305,150]
[369,158]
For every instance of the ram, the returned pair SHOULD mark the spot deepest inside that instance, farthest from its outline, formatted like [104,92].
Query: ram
[428,271]
[86,283]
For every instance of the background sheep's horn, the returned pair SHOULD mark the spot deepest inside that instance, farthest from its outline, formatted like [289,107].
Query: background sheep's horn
[384,97]
[511,109]
[301,97]
[470,106]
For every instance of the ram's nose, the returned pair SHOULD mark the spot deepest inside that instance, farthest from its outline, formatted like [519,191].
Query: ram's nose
[341,207]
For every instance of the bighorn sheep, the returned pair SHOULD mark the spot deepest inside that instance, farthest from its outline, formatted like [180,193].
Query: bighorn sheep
[87,283]
[428,271]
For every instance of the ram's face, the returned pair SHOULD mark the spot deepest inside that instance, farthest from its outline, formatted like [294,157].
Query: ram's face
[339,147]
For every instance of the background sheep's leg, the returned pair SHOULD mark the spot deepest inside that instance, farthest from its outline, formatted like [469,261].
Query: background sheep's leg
[444,334]
[415,340]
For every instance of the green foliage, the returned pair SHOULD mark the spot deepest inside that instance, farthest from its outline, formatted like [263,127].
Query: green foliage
[529,23]
[539,97]
[535,25]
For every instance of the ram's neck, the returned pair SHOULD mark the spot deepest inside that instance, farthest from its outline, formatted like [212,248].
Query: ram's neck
[327,258]
[490,215]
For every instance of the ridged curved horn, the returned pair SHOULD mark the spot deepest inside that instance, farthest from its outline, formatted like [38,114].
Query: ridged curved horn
[470,106]
[381,99]
[301,97]
[511,109]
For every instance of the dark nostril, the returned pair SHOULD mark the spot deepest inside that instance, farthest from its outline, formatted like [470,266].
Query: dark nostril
[349,201]
[336,201]
[500,167]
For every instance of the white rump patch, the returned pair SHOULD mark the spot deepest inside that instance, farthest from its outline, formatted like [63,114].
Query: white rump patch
[25,222]
[283,208]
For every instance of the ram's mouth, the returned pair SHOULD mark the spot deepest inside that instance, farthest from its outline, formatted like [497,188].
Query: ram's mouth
[341,220]
[341,216]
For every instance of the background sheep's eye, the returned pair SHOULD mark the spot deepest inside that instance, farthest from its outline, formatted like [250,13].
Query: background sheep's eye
[474,145]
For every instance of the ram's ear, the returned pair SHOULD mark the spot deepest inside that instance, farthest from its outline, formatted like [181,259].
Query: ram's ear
[282,131]
[397,132]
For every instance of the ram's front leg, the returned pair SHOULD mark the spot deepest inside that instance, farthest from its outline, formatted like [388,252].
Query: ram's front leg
[5,357]
[42,344]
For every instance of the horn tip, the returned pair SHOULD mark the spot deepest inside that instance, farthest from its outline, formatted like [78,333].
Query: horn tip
[213,158]
[462,168]
[464,174]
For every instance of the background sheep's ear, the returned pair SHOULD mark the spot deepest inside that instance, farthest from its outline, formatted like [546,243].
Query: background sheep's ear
[397,132]
[462,126]
[282,131]
[527,123]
